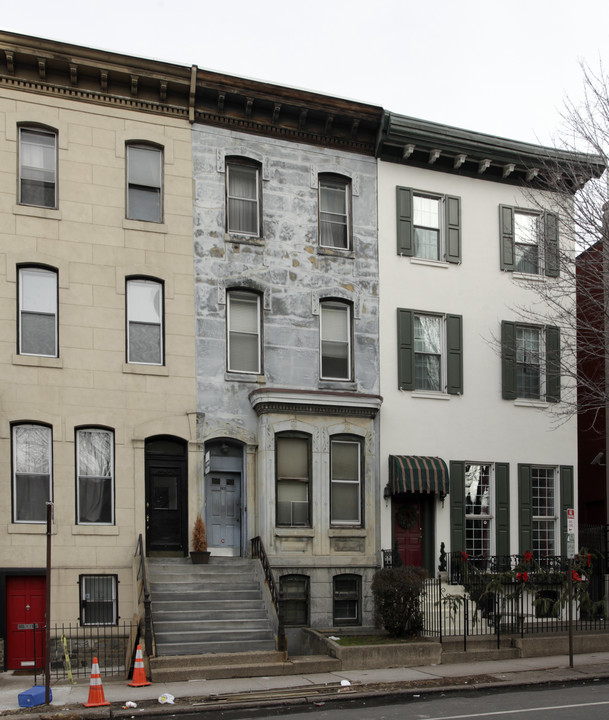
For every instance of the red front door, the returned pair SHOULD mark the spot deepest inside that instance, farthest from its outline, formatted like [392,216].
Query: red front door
[408,530]
[25,609]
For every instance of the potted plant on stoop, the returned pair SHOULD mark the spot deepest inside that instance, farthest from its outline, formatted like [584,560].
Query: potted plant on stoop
[199,553]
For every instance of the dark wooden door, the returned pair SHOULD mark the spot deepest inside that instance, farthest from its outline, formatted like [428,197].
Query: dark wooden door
[408,530]
[166,511]
[25,622]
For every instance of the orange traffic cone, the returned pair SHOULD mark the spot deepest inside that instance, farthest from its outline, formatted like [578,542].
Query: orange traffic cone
[139,674]
[96,690]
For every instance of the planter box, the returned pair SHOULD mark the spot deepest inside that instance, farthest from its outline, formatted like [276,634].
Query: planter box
[200,557]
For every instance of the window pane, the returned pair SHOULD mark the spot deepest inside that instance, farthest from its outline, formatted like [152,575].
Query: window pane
[426,211]
[544,518]
[144,298]
[335,341]
[37,335]
[145,343]
[333,213]
[98,600]
[345,502]
[144,204]
[427,244]
[345,461]
[38,312]
[244,340]
[528,362]
[144,183]
[144,301]
[243,208]
[427,334]
[477,537]
[477,489]
[38,157]
[526,228]
[144,166]
[292,502]
[427,372]
[242,182]
[346,599]
[292,458]
[294,591]
[95,482]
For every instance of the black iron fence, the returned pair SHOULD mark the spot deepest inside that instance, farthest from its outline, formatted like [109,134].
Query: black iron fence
[73,648]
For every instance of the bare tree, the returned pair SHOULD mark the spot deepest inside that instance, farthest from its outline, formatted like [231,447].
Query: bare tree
[572,183]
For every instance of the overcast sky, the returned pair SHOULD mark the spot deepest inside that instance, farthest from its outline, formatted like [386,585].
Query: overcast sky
[498,67]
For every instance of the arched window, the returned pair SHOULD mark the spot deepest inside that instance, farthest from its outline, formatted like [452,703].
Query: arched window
[334,211]
[293,467]
[38,327]
[145,321]
[144,182]
[335,341]
[244,332]
[32,471]
[38,167]
[243,206]
[94,476]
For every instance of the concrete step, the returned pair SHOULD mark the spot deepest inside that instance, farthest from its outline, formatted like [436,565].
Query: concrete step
[188,597]
[190,636]
[217,646]
[233,665]
[195,626]
[255,612]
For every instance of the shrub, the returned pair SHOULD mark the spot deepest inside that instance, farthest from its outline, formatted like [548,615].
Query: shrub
[396,599]
[199,536]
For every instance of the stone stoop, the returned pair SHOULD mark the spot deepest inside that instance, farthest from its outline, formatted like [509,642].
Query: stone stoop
[202,609]
[235,665]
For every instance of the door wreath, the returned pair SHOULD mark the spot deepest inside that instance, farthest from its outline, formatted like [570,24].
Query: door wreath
[407,517]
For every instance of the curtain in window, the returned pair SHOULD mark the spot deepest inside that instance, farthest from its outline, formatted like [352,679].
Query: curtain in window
[37,160]
[243,199]
[32,462]
[94,476]
[144,298]
[243,334]
[428,349]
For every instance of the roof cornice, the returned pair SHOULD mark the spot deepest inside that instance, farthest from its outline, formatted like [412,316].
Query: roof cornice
[443,148]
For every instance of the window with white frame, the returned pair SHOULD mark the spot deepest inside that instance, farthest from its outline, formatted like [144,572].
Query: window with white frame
[98,599]
[38,312]
[37,167]
[293,460]
[428,349]
[32,472]
[95,476]
[294,594]
[145,321]
[527,245]
[335,340]
[334,211]
[529,363]
[244,332]
[478,510]
[243,198]
[543,485]
[144,183]
[427,226]
[345,482]
[346,592]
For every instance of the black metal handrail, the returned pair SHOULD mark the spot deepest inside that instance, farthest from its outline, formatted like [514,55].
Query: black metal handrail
[144,591]
[259,552]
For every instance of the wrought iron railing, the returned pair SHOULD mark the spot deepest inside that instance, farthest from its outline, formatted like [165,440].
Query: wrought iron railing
[259,552]
[143,595]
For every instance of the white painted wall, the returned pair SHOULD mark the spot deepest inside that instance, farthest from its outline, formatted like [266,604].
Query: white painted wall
[478,426]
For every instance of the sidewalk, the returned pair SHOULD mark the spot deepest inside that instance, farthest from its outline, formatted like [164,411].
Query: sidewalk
[198,695]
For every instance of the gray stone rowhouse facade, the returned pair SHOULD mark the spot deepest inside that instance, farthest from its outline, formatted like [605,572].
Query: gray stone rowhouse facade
[241,414]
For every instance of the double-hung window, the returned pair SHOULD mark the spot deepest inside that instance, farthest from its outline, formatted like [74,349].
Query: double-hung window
[145,321]
[32,472]
[335,330]
[347,593]
[95,476]
[37,311]
[293,460]
[144,183]
[244,332]
[529,241]
[345,482]
[478,510]
[98,599]
[530,362]
[37,167]
[543,487]
[334,211]
[294,594]
[430,352]
[428,225]
[243,210]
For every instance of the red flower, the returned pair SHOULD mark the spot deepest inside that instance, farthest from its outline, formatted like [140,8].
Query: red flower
[528,556]
[522,576]
[576,576]
[464,556]
[589,559]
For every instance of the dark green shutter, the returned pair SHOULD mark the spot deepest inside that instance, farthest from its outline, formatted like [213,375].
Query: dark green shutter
[404,221]
[506,237]
[457,506]
[552,364]
[525,509]
[502,508]
[550,224]
[567,500]
[454,360]
[452,208]
[508,360]
[405,349]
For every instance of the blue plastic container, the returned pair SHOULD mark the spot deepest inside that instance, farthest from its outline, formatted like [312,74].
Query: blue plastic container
[34,696]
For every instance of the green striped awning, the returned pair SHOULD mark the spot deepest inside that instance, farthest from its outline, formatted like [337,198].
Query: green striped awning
[418,474]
